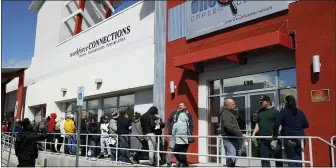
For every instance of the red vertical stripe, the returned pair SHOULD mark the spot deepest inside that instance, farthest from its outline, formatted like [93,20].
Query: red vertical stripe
[3,99]
[108,10]
[19,97]
[79,18]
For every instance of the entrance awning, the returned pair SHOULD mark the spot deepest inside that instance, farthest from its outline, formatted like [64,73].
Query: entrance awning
[8,74]
[227,50]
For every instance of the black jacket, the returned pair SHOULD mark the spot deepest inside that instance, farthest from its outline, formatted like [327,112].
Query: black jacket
[26,144]
[84,126]
[123,125]
[148,121]
[94,129]
[229,124]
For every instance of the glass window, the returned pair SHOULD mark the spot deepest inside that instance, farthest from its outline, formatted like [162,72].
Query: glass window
[214,87]
[108,112]
[93,104]
[126,100]
[250,82]
[110,102]
[287,92]
[92,114]
[84,105]
[287,78]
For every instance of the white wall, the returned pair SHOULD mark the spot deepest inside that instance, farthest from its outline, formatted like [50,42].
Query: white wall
[123,66]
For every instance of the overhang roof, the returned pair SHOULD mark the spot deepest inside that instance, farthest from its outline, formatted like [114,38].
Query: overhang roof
[9,73]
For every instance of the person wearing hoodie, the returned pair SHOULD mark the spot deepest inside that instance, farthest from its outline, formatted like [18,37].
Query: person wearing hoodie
[170,123]
[104,137]
[51,130]
[26,144]
[83,130]
[148,128]
[69,127]
[124,126]
[180,128]
[93,139]
[59,128]
[113,128]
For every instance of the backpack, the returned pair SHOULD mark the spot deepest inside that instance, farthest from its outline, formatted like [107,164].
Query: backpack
[58,126]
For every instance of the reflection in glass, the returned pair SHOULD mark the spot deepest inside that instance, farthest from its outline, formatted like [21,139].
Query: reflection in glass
[214,87]
[250,82]
[93,104]
[240,111]
[287,92]
[108,112]
[110,102]
[126,100]
[287,77]
[92,114]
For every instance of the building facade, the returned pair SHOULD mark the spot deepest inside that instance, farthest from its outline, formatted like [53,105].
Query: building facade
[216,50]
[108,56]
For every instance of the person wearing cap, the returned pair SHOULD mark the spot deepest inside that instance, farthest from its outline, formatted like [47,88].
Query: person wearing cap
[26,144]
[264,127]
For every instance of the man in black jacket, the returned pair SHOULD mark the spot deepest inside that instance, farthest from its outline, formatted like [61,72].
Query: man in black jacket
[124,126]
[171,121]
[148,128]
[94,139]
[83,130]
[26,144]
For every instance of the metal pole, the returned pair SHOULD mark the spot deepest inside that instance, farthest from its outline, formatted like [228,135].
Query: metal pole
[11,143]
[302,152]
[158,153]
[311,152]
[86,147]
[217,150]
[116,150]
[78,133]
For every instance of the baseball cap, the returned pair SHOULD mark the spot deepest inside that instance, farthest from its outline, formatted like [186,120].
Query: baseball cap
[264,98]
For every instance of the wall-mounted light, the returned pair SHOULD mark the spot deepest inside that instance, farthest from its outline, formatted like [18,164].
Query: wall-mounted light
[99,81]
[63,90]
[316,64]
[172,87]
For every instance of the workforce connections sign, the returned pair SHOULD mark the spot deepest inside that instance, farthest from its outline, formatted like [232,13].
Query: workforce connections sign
[102,43]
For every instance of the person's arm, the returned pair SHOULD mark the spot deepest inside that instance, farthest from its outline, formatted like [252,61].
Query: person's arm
[230,126]
[174,130]
[191,123]
[256,129]
[170,122]
[305,122]
[279,118]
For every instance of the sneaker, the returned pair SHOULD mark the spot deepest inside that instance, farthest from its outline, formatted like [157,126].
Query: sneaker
[109,155]
[169,164]
[132,160]
[93,159]
[101,156]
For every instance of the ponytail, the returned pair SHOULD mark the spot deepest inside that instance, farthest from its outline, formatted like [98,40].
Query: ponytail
[291,104]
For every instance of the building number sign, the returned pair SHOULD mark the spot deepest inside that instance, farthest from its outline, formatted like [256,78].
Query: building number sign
[248,83]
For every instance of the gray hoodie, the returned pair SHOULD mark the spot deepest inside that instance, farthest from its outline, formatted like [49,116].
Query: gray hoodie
[180,128]
[113,126]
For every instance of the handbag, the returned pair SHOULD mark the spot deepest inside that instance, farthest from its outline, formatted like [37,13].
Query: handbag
[111,141]
[190,139]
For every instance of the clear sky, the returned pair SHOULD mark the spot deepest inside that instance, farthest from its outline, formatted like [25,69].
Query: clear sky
[18,32]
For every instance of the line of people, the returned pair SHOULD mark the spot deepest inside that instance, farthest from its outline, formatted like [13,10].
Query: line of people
[290,121]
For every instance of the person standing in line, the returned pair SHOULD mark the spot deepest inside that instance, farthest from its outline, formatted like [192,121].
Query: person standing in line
[59,129]
[83,130]
[51,130]
[93,140]
[148,128]
[229,127]
[136,141]
[162,143]
[171,121]
[26,148]
[264,127]
[180,128]
[124,128]
[113,128]
[70,129]
[293,122]
[104,137]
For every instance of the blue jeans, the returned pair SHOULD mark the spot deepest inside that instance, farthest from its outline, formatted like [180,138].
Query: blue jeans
[124,154]
[231,147]
[266,152]
[171,149]
[94,150]
[71,139]
[293,151]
